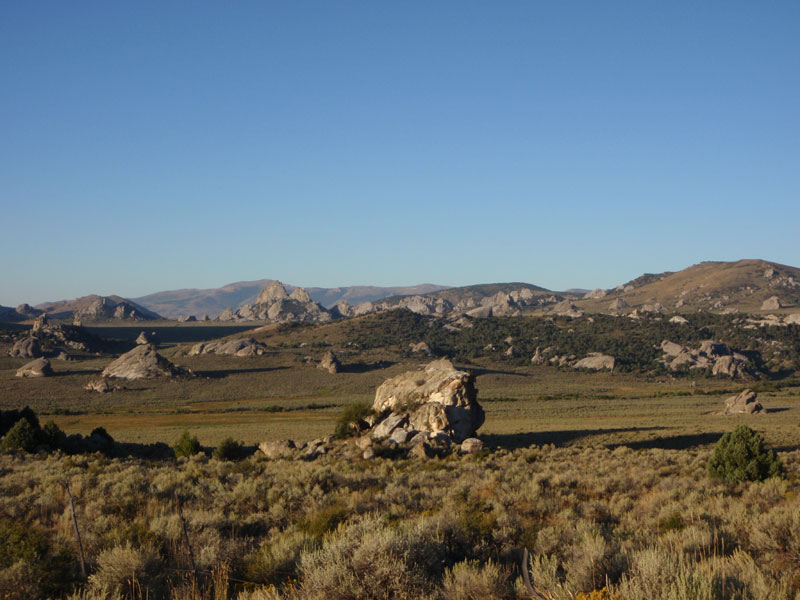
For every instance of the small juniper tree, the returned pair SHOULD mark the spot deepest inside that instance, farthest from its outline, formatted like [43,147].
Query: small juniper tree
[740,455]
[187,445]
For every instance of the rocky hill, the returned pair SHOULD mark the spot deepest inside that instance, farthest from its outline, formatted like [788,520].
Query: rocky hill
[275,305]
[741,286]
[214,301]
[98,308]
[23,312]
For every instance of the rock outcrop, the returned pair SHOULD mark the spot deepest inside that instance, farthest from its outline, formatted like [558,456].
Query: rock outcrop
[745,402]
[36,368]
[329,363]
[565,308]
[143,362]
[239,347]
[27,347]
[147,337]
[438,399]
[100,385]
[420,348]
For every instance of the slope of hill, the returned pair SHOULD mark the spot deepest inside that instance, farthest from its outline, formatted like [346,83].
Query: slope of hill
[98,308]
[214,301]
[743,285]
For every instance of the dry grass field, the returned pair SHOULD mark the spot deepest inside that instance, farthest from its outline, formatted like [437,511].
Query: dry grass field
[601,475]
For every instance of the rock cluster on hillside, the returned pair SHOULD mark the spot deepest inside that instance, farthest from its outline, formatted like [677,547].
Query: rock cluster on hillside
[143,362]
[53,340]
[276,306]
[710,355]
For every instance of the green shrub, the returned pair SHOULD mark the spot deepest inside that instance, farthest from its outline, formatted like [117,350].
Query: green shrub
[187,445]
[52,435]
[22,436]
[229,449]
[350,414]
[740,456]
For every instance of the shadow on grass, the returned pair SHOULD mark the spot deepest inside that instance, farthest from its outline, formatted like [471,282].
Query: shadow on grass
[363,367]
[478,371]
[557,438]
[675,442]
[221,373]
[78,372]
[775,410]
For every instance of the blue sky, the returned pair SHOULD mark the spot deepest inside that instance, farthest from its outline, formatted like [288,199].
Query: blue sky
[150,145]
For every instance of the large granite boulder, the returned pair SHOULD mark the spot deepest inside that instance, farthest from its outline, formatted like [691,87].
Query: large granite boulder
[278,448]
[745,402]
[329,363]
[143,362]
[36,368]
[772,303]
[596,361]
[437,398]
[27,347]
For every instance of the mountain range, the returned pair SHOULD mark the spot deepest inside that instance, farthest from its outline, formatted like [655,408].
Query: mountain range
[175,303]
[750,285]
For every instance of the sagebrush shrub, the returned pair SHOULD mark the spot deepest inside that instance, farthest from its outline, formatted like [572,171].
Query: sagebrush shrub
[740,455]
[229,449]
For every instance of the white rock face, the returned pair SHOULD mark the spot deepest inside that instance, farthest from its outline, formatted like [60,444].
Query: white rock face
[772,303]
[436,398]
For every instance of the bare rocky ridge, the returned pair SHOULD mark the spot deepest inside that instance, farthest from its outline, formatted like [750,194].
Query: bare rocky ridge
[745,286]
[143,362]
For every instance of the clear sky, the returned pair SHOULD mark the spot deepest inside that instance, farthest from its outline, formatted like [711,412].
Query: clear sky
[147,146]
